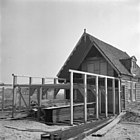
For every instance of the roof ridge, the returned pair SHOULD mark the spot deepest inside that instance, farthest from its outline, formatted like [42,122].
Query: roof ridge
[106,43]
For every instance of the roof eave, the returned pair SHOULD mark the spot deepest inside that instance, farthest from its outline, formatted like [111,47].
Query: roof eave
[70,54]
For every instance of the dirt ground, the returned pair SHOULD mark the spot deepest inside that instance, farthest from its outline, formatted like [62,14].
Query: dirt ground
[127,129]
[24,129]
[120,132]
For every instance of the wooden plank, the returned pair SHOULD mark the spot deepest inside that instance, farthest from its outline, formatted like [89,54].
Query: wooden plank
[7,85]
[106,102]
[92,74]
[130,123]
[62,114]
[97,102]
[78,131]
[119,94]
[55,90]
[92,130]
[85,98]
[60,86]
[13,103]
[65,106]
[19,101]
[40,96]
[30,82]
[108,127]
[100,101]
[22,97]
[113,87]
[71,98]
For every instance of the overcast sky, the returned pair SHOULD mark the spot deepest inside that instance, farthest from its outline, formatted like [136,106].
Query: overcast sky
[38,35]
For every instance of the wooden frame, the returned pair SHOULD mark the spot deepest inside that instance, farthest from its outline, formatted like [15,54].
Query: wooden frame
[85,98]
[113,87]
[97,94]
[106,100]
[30,85]
[73,86]
[97,99]
[71,98]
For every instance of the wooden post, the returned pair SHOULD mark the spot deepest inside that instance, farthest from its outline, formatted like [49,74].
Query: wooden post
[19,99]
[40,96]
[113,89]
[30,83]
[119,93]
[13,103]
[38,93]
[100,101]
[64,90]
[71,98]
[43,82]
[97,99]
[2,99]
[55,82]
[106,102]
[85,98]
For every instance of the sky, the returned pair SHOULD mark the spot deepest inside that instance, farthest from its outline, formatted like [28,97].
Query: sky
[37,36]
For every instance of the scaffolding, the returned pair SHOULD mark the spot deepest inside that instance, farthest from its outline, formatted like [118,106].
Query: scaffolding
[96,76]
[29,94]
[23,94]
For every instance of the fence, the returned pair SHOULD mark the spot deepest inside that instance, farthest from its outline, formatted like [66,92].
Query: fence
[6,97]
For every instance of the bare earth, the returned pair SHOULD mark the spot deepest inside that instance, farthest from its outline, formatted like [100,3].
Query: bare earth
[120,132]
[127,129]
[24,129]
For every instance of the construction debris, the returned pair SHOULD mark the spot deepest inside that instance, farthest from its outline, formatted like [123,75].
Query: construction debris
[108,127]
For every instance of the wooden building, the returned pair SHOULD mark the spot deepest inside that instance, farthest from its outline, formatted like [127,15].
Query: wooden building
[116,75]
[97,79]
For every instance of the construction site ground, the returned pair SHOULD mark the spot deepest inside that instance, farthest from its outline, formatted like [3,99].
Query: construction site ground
[127,129]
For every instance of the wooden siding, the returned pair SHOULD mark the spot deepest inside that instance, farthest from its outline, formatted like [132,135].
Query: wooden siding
[97,65]
[126,95]
[138,92]
[127,102]
[129,78]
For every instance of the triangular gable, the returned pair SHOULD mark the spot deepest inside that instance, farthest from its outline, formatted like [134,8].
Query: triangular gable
[76,57]
[110,53]
[113,55]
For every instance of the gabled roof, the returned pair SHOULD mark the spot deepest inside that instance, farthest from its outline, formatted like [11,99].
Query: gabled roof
[86,42]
